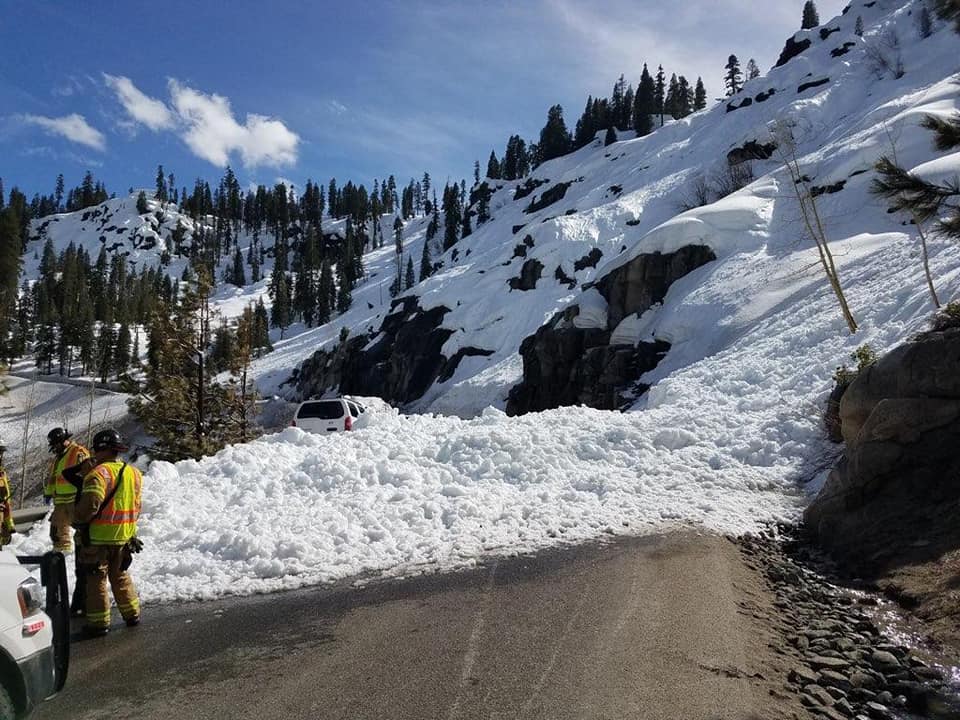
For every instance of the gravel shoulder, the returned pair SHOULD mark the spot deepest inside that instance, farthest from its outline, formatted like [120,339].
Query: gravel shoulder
[667,626]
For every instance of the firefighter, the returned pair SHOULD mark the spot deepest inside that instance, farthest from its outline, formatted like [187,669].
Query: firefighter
[63,493]
[6,503]
[106,514]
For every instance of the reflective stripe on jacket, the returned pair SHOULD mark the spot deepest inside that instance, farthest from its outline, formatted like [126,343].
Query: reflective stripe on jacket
[61,489]
[118,521]
[6,502]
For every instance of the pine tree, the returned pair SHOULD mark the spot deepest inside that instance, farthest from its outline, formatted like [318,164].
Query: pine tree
[644,104]
[452,217]
[398,235]
[611,136]
[325,292]
[262,326]
[659,94]
[425,186]
[409,279]
[281,310]
[10,262]
[810,16]
[858,27]
[752,70]
[344,295]
[426,268]
[161,193]
[555,140]
[237,276]
[180,405]
[106,341]
[142,207]
[733,80]
[121,354]
[57,193]
[584,130]
[671,103]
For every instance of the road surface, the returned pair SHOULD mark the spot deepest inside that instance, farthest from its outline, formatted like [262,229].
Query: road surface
[657,627]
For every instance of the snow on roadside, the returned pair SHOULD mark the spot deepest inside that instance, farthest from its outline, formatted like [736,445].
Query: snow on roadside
[294,508]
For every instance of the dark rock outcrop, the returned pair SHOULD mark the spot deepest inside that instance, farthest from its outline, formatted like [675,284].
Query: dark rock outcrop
[402,362]
[812,84]
[842,50]
[528,187]
[818,190]
[574,366]
[641,283]
[751,150]
[529,275]
[548,197]
[589,260]
[792,49]
[562,277]
[568,365]
[894,497]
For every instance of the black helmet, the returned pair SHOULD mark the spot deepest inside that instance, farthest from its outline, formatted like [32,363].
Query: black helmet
[108,439]
[56,437]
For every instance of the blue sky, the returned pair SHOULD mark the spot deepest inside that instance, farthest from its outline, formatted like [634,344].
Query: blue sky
[298,90]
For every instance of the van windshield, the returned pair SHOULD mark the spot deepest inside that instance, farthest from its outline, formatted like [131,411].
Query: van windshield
[323,409]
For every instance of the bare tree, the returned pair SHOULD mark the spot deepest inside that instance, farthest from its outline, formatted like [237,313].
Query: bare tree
[30,404]
[895,183]
[885,55]
[786,144]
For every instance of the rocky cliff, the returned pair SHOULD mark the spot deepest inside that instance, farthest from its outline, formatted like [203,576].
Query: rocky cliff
[573,361]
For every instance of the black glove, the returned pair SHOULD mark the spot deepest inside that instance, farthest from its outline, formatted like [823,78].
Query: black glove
[135,544]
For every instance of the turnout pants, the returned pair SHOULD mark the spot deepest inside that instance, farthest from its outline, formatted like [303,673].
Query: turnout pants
[61,532]
[103,563]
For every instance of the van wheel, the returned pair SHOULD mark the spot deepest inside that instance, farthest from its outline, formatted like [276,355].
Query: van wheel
[7,710]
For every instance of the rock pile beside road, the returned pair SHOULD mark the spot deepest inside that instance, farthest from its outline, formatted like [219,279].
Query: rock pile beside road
[842,665]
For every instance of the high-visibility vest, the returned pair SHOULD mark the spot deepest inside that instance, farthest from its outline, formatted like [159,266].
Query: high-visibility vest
[6,516]
[117,521]
[59,488]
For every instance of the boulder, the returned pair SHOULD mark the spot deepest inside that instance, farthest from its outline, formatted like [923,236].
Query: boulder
[894,496]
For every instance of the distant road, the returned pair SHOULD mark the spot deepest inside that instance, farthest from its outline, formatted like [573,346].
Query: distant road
[639,628]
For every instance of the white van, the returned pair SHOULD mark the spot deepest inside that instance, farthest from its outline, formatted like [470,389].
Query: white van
[334,415]
[34,632]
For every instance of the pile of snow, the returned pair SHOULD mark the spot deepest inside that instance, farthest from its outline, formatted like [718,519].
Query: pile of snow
[408,492]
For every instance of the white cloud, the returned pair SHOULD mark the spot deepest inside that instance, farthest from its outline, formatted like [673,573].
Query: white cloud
[73,127]
[212,133]
[337,107]
[142,108]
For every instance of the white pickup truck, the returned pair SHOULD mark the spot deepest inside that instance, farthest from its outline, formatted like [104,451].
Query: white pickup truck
[34,632]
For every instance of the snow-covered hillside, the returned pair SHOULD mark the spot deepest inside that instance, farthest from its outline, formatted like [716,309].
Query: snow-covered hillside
[730,429]
[624,200]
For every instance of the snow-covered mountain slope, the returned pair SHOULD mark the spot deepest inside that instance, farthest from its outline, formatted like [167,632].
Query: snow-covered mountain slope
[844,111]
[730,429]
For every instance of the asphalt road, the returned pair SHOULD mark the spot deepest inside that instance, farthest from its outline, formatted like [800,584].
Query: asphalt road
[636,628]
